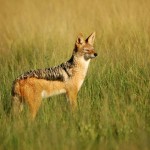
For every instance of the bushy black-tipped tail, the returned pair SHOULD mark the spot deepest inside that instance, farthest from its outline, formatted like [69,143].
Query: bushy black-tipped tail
[16,101]
[13,88]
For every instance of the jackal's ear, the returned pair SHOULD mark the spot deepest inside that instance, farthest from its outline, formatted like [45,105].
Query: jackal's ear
[91,38]
[80,40]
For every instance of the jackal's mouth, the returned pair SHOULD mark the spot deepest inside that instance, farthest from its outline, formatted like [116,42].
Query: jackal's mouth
[93,55]
[90,56]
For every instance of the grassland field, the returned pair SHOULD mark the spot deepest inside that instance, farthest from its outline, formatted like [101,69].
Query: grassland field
[114,101]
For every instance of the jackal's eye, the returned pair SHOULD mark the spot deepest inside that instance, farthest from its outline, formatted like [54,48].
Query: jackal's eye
[86,50]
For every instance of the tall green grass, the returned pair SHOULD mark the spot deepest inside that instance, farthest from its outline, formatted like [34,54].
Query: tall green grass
[114,101]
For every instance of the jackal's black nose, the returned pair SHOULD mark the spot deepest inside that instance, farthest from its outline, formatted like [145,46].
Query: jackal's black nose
[95,54]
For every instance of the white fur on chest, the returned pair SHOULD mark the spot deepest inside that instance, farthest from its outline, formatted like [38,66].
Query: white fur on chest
[45,94]
[84,64]
[83,70]
[80,83]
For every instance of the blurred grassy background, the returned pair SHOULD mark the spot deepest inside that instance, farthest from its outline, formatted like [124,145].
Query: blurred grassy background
[114,101]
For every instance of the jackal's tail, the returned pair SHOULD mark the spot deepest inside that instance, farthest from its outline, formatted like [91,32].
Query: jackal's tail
[15,88]
[16,101]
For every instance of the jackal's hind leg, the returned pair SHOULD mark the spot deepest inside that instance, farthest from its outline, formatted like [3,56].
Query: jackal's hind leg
[34,106]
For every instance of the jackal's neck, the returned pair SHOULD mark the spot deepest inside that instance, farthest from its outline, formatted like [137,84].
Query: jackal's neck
[72,60]
[75,59]
[79,62]
[79,71]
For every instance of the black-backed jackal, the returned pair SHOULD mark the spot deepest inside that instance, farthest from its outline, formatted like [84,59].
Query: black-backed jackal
[68,77]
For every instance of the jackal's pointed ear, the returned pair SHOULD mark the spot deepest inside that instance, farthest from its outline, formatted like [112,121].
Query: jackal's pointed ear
[80,40]
[91,38]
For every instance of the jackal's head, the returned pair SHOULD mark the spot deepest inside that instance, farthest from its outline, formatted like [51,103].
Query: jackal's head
[84,48]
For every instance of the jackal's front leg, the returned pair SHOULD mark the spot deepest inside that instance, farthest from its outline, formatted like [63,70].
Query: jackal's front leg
[72,97]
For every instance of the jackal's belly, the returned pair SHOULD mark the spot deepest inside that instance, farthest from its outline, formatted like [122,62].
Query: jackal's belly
[51,88]
[46,94]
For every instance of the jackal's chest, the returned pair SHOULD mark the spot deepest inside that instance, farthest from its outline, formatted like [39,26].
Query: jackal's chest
[79,83]
[78,79]
[80,73]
